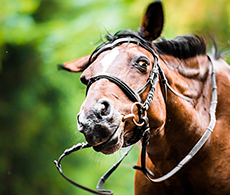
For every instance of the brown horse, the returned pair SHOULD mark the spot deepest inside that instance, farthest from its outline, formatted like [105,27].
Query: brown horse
[176,121]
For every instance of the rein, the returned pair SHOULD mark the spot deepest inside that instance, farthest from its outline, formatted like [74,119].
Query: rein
[142,131]
[197,146]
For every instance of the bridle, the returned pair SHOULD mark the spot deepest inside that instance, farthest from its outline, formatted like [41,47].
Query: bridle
[142,131]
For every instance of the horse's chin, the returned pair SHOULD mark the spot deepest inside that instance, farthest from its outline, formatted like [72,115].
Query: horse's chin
[114,143]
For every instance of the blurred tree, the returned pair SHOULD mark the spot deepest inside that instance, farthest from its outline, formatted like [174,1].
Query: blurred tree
[38,105]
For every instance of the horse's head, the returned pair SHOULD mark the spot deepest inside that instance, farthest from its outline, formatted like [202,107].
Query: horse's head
[104,117]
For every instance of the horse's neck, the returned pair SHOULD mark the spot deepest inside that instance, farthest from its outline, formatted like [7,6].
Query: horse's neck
[187,76]
[185,121]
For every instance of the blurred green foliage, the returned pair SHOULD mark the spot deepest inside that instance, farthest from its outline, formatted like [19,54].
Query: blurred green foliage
[38,104]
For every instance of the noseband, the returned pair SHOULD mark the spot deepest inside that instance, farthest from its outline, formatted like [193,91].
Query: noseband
[142,131]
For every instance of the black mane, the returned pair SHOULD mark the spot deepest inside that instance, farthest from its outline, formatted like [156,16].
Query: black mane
[182,47]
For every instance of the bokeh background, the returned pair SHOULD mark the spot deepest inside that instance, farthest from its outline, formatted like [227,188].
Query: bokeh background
[38,104]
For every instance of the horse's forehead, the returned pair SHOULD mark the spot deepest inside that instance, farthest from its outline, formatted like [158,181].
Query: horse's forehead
[123,52]
[116,59]
[109,58]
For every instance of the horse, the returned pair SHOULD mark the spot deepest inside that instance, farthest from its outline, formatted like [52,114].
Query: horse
[171,95]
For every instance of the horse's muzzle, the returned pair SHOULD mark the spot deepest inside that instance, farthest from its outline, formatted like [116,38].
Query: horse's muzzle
[99,123]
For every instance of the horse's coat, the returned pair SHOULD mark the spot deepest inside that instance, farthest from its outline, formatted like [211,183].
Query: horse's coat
[176,125]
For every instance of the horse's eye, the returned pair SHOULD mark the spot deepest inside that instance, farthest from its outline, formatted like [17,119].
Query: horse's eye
[141,63]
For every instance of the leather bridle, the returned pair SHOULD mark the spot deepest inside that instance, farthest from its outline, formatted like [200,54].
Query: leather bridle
[142,131]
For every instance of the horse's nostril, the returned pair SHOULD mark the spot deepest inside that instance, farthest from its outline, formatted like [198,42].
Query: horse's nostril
[104,108]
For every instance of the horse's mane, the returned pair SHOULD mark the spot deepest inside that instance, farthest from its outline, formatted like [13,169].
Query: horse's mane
[182,47]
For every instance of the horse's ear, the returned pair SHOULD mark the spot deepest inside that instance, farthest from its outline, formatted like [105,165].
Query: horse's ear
[78,65]
[153,21]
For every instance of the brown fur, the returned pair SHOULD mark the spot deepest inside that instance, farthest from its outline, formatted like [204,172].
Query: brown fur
[176,125]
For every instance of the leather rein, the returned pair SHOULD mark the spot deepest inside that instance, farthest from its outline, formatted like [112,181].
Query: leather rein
[142,131]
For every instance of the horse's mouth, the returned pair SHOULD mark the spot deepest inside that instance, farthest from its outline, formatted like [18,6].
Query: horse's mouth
[114,143]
